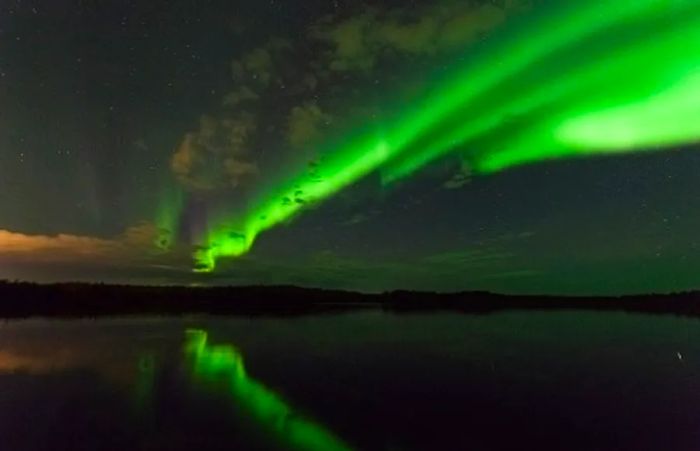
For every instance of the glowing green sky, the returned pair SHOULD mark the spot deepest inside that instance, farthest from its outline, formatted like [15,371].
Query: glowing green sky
[521,145]
[579,81]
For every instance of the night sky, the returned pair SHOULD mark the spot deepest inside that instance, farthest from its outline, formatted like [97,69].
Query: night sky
[183,142]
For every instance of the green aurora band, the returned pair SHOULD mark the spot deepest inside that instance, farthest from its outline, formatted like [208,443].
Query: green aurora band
[225,362]
[578,78]
[167,217]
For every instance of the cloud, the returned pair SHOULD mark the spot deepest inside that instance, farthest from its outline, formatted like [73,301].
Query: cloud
[133,257]
[413,37]
[218,155]
[460,179]
[288,95]
[259,63]
[306,124]
[81,257]
[259,66]
[466,24]
[130,257]
[353,44]
[238,96]
[135,241]
[357,43]
[140,236]
[55,248]
[224,153]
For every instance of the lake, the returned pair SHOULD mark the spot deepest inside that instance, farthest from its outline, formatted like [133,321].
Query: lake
[365,380]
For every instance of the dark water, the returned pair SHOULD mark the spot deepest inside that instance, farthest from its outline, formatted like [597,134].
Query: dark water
[366,381]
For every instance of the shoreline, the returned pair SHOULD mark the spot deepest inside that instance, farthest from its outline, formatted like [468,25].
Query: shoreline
[77,300]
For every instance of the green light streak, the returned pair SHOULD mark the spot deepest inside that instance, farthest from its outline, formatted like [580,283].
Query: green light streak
[342,168]
[168,217]
[582,78]
[225,362]
[661,120]
[656,109]
[143,394]
[545,39]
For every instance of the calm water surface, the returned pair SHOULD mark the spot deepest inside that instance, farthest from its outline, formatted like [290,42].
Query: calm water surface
[363,381]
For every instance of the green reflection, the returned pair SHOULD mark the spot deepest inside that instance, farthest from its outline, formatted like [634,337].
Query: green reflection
[145,381]
[224,362]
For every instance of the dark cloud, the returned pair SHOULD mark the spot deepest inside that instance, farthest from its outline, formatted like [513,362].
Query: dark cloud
[306,125]
[357,43]
[218,155]
[238,96]
[261,66]
[460,179]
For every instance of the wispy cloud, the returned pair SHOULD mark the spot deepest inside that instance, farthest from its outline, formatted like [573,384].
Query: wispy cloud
[133,257]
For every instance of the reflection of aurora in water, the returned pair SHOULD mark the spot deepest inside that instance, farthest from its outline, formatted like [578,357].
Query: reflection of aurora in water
[224,362]
[577,78]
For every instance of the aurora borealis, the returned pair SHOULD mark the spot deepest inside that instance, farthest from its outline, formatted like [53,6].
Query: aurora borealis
[444,147]
[658,109]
